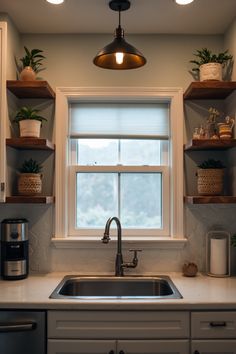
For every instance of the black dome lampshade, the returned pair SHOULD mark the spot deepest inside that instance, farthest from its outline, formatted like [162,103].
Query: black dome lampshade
[119,54]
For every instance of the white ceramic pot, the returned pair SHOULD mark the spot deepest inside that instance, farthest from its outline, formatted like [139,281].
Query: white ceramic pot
[27,74]
[30,128]
[211,71]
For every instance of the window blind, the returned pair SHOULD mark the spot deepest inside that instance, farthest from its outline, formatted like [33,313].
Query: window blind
[123,120]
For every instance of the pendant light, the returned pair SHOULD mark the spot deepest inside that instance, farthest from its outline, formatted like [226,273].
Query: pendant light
[119,55]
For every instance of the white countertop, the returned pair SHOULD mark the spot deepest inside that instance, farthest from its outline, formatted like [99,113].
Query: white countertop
[200,292]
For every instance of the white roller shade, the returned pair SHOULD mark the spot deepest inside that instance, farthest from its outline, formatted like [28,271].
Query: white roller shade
[119,120]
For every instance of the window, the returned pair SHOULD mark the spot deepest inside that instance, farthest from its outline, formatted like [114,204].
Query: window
[124,174]
[118,154]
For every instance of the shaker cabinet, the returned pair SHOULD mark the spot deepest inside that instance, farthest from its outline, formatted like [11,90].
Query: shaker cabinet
[213,332]
[118,347]
[118,332]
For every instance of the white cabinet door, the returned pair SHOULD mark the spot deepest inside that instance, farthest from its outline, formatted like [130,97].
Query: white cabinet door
[153,347]
[74,346]
[3,102]
[227,346]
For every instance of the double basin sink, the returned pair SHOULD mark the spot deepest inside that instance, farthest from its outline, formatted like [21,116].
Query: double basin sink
[78,287]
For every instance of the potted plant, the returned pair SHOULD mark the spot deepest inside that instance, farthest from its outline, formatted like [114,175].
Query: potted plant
[31,64]
[30,178]
[29,122]
[210,65]
[210,176]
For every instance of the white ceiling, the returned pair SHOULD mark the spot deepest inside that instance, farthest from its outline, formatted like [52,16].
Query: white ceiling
[144,16]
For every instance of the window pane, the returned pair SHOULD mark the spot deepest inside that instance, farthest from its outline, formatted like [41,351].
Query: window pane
[97,152]
[96,198]
[141,200]
[140,152]
[114,151]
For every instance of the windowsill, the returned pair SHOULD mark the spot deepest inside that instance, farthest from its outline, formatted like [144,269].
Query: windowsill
[128,242]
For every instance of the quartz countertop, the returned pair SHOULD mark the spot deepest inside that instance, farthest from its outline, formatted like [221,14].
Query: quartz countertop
[200,292]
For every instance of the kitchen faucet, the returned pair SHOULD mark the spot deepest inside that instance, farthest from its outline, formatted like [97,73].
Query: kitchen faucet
[120,265]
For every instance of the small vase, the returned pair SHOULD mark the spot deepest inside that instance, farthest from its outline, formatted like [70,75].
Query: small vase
[27,74]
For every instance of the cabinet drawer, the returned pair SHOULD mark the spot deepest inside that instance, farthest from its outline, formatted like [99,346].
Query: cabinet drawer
[118,324]
[213,324]
[213,346]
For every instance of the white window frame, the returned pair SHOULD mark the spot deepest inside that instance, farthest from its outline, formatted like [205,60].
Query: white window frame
[174,96]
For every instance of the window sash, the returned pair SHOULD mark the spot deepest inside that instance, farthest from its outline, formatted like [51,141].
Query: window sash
[164,170]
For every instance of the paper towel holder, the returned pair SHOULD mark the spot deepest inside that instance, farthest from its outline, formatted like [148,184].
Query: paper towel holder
[218,253]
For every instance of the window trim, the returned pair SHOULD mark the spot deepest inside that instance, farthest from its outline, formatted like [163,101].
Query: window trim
[175,98]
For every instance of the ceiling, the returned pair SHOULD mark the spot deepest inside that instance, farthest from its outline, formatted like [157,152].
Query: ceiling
[144,16]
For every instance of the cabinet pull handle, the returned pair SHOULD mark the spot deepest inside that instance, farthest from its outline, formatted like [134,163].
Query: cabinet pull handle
[218,324]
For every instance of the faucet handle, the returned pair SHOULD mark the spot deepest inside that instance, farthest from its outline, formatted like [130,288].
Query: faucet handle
[135,250]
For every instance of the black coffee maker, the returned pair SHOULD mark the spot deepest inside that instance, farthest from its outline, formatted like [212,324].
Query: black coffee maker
[14,249]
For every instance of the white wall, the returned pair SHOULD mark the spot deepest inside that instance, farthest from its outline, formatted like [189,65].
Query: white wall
[69,59]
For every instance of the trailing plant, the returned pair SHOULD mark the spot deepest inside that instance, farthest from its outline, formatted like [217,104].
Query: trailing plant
[30,166]
[28,113]
[205,56]
[211,163]
[32,58]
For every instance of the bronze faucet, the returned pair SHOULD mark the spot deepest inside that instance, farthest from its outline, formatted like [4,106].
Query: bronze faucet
[119,265]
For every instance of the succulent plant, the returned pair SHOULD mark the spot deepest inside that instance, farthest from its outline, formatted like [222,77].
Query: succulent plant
[211,163]
[30,166]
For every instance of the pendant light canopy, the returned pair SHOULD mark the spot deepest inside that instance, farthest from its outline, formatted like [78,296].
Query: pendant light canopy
[119,55]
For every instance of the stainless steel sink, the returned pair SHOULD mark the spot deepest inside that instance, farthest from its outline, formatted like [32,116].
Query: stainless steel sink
[77,287]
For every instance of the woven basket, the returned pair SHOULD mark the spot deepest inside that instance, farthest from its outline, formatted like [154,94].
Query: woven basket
[30,183]
[210,181]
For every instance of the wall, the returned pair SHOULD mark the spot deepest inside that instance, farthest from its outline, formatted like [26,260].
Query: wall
[69,63]
[69,59]
[13,46]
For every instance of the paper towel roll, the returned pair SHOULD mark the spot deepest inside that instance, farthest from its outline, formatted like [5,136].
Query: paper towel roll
[218,256]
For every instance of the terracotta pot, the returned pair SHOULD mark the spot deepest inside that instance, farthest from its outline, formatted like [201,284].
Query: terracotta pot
[211,71]
[30,184]
[27,74]
[30,128]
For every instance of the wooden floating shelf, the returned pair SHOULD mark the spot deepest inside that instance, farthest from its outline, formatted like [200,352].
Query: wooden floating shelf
[30,144]
[30,199]
[209,90]
[30,89]
[210,144]
[208,199]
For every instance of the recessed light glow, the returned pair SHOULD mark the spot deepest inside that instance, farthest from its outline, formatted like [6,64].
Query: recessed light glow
[183,2]
[55,2]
